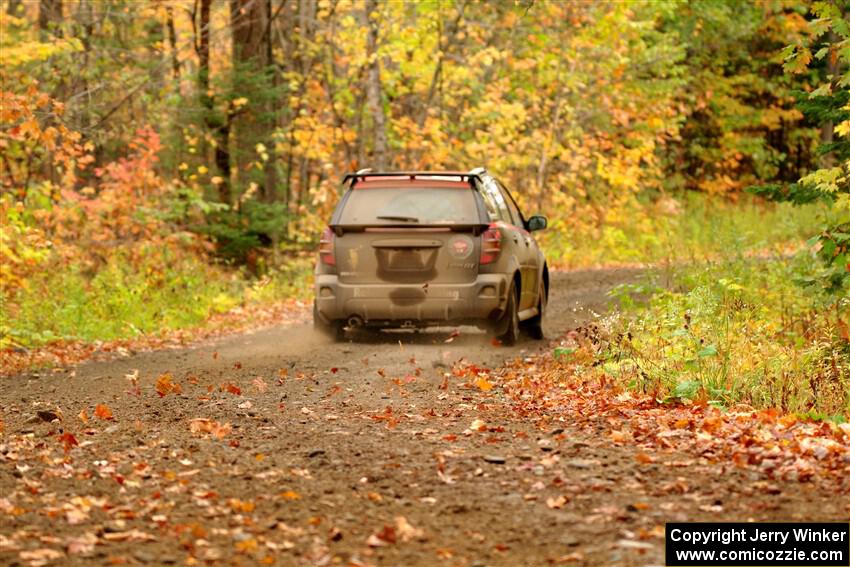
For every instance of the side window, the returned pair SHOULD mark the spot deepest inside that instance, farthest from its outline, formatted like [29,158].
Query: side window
[514,210]
[490,204]
[495,201]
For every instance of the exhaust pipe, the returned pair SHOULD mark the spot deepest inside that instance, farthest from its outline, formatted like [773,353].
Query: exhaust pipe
[355,322]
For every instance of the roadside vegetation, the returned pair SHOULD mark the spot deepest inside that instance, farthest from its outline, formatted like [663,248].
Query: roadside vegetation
[735,332]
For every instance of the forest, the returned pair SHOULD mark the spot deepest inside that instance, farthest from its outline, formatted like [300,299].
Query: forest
[168,164]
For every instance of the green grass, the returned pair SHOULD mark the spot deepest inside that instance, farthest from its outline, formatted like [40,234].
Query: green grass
[740,331]
[697,228]
[125,299]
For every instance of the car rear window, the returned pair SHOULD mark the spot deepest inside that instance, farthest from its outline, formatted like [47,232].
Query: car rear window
[410,205]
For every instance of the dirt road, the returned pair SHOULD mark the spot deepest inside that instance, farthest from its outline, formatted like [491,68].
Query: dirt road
[283,448]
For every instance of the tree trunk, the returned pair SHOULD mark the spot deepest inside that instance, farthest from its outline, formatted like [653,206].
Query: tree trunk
[80,85]
[12,7]
[551,135]
[249,22]
[172,40]
[374,92]
[219,126]
[50,16]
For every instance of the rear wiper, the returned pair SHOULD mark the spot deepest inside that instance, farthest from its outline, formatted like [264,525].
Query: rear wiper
[398,218]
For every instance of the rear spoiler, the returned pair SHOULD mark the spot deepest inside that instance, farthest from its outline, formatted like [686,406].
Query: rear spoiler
[475,228]
[351,179]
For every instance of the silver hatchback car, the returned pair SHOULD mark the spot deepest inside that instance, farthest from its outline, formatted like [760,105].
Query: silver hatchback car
[417,249]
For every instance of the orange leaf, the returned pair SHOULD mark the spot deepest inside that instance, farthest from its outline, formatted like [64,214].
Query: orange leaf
[245,506]
[164,385]
[84,417]
[247,546]
[620,436]
[483,384]
[231,388]
[643,458]
[103,412]
[204,425]
[556,503]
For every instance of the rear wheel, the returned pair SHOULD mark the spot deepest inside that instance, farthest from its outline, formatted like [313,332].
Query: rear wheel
[333,329]
[508,329]
[534,327]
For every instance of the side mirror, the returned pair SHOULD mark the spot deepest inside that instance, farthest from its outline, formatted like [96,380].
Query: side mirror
[537,222]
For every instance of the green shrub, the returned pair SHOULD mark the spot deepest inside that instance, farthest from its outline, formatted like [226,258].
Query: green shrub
[738,332]
[124,299]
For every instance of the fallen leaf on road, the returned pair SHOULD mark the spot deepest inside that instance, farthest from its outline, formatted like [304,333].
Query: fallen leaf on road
[165,385]
[639,545]
[37,557]
[214,428]
[82,545]
[571,557]
[244,506]
[556,503]
[483,384]
[621,436]
[130,535]
[103,412]
[382,538]
[68,441]
[406,532]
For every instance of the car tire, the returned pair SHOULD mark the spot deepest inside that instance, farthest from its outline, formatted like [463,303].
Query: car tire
[534,327]
[508,328]
[333,330]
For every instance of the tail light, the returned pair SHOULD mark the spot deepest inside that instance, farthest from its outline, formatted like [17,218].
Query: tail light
[491,245]
[326,247]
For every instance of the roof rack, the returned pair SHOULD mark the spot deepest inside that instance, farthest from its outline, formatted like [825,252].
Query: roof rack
[352,178]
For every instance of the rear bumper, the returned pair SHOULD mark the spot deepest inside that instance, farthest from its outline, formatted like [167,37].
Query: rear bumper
[393,304]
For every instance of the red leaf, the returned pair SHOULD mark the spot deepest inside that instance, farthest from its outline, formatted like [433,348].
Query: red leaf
[231,388]
[68,441]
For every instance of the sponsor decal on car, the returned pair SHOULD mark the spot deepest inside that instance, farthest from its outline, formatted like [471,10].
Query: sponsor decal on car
[460,247]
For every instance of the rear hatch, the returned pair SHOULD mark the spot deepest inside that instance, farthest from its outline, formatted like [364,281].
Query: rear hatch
[408,232]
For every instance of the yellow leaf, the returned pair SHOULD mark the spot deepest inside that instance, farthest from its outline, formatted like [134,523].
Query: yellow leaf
[483,384]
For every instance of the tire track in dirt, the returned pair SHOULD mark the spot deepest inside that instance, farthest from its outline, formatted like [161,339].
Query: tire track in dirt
[331,444]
